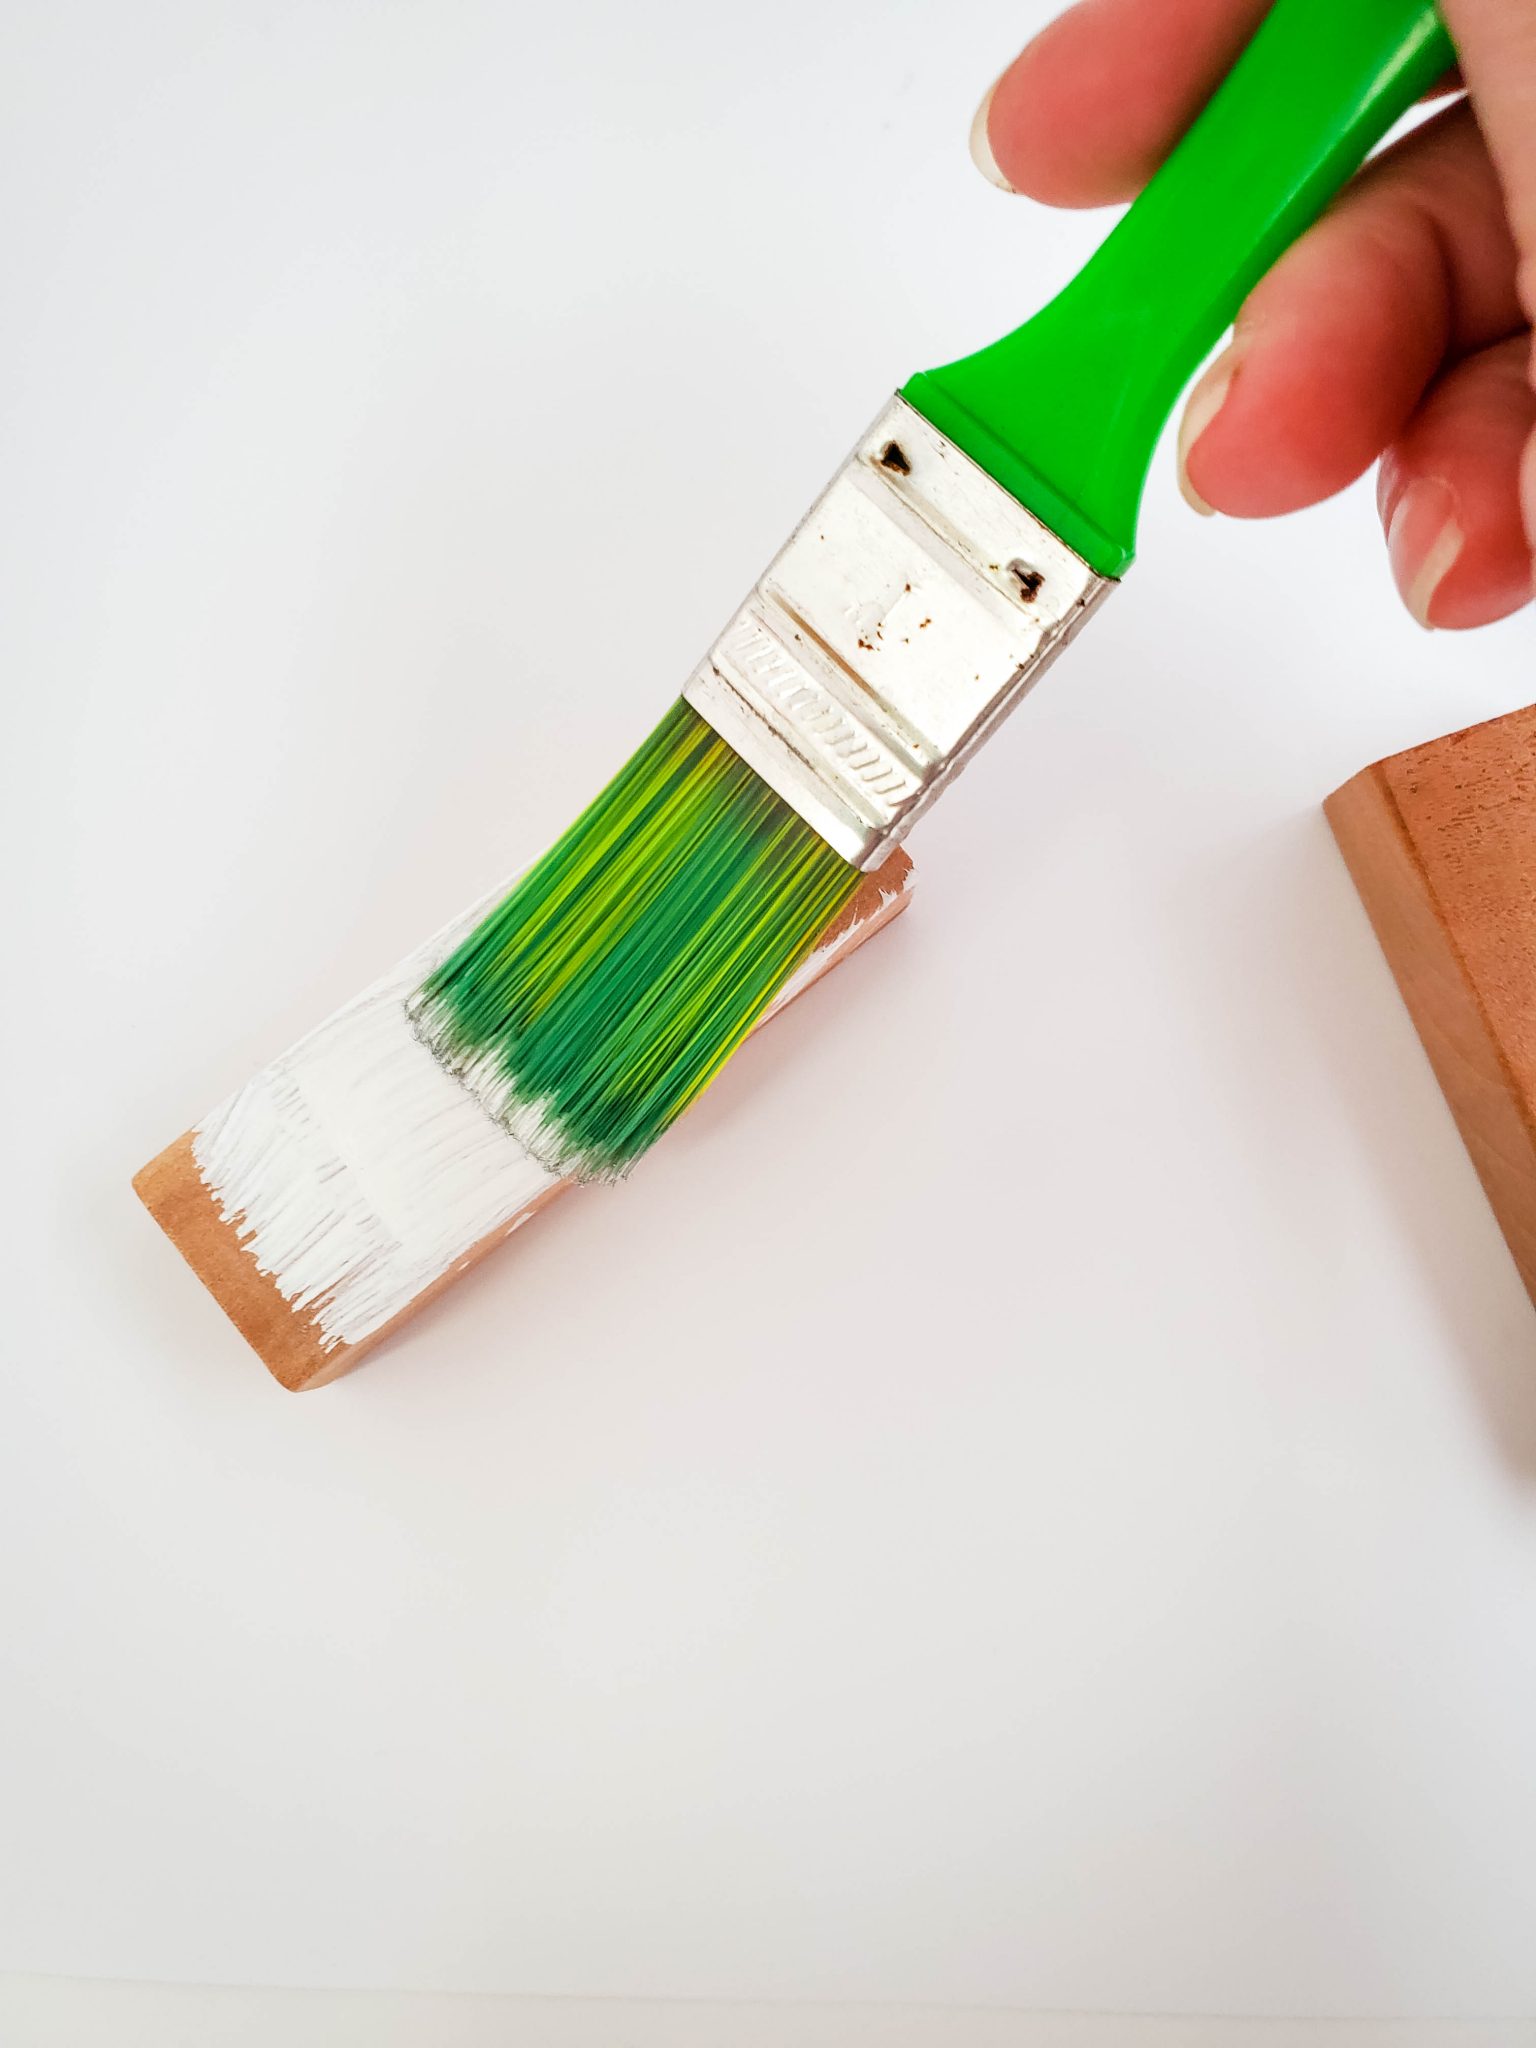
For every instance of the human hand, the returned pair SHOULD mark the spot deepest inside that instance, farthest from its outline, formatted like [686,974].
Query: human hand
[1398,327]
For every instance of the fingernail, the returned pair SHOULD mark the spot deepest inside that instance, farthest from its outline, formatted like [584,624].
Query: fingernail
[981,144]
[1206,400]
[1424,539]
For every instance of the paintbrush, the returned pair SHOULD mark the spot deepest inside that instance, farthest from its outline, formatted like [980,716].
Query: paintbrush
[977,525]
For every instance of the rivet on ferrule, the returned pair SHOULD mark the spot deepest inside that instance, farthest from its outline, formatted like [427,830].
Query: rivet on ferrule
[911,609]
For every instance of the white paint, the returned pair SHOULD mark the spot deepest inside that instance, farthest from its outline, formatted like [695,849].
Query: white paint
[355,1169]
[358,1170]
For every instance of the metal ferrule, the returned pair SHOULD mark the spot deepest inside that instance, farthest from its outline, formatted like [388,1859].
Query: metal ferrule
[901,622]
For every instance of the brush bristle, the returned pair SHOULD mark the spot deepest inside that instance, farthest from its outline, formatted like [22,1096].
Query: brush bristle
[606,992]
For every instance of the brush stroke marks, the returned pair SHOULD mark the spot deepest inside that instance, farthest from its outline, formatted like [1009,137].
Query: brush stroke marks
[356,1171]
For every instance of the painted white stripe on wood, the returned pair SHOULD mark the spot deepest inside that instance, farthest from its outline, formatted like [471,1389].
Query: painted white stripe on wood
[354,1169]
[357,1172]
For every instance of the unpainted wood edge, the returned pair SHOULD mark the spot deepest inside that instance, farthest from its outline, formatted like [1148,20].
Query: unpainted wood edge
[287,1340]
[1491,1113]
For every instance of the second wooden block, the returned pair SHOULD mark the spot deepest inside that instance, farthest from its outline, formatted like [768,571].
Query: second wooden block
[1441,842]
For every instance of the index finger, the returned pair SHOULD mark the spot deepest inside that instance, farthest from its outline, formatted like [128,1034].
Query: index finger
[1497,45]
[1086,113]
[1089,109]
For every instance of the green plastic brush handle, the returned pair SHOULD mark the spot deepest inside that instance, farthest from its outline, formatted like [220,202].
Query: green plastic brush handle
[1066,411]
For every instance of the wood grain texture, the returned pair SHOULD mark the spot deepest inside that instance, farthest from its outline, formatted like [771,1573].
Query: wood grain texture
[286,1339]
[1441,842]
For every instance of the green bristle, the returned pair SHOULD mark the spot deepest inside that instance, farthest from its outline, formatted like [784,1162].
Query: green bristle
[606,992]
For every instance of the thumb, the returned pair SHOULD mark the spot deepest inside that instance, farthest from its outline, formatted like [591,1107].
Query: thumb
[1496,41]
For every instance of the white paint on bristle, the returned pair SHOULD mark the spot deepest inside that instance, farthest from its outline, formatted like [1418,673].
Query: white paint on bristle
[354,1169]
[482,1075]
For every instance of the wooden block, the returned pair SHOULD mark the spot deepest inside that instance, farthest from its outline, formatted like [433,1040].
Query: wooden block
[291,1334]
[1441,841]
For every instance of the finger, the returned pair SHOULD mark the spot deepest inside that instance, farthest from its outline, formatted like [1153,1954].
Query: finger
[1092,106]
[1497,45]
[1335,347]
[1449,493]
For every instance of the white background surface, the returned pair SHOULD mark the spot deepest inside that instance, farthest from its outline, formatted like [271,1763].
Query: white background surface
[1029,1499]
